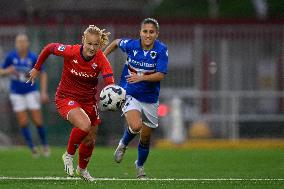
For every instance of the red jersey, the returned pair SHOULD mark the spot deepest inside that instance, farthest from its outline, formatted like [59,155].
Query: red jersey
[79,76]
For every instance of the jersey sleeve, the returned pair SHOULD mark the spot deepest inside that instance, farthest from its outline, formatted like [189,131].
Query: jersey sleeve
[53,48]
[8,62]
[34,59]
[124,44]
[63,50]
[162,62]
[106,70]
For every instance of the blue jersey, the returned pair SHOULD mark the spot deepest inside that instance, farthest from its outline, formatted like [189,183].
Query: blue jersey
[141,62]
[22,66]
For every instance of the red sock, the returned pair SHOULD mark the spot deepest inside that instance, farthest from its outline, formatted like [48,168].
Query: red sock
[85,153]
[76,136]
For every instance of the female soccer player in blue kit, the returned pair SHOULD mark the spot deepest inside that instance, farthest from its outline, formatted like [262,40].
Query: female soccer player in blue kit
[145,67]
[23,96]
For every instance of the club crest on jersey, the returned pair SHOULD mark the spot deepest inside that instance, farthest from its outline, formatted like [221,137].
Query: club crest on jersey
[94,65]
[61,47]
[71,103]
[153,54]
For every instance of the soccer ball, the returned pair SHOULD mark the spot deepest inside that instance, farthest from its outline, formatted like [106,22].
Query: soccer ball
[111,98]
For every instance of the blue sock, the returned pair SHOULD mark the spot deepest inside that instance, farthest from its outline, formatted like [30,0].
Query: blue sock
[127,136]
[28,137]
[143,151]
[42,134]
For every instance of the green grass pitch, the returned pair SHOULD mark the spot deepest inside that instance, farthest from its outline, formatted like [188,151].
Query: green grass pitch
[167,168]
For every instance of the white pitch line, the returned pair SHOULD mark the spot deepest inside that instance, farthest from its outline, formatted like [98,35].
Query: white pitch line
[151,179]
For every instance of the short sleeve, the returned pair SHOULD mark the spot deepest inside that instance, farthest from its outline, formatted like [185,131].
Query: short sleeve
[34,60]
[106,68]
[124,44]
[62,50]
[162,62]
[8,62]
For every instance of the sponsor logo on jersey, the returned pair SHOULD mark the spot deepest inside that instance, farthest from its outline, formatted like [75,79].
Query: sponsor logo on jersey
[71,103]
[94,65]
[153,54]
[61,47]
[82,74]
[75,61]
[142,64]
[134,52]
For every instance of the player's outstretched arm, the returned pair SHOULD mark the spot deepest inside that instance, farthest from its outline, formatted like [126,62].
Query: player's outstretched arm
[112,46]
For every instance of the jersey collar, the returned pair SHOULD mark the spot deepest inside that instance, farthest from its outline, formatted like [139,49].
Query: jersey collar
[81,53]
[140,45]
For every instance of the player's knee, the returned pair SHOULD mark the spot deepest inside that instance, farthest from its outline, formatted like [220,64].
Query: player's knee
[38,123]
[135,128]
[85,125]
[23,121]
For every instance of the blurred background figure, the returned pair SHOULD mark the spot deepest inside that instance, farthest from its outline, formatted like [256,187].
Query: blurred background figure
[25,97]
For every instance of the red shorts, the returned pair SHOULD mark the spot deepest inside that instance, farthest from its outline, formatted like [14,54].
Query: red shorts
[65,105]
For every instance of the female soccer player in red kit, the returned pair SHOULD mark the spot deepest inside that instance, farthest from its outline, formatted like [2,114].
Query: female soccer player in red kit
[75,96]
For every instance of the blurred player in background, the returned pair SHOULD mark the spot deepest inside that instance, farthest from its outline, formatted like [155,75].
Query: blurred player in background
[75,97]
[145,67]
[23,96]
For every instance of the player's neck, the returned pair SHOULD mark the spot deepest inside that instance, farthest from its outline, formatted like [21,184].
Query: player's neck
[23,54]
[84,56]
[87,58]
[147,47]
